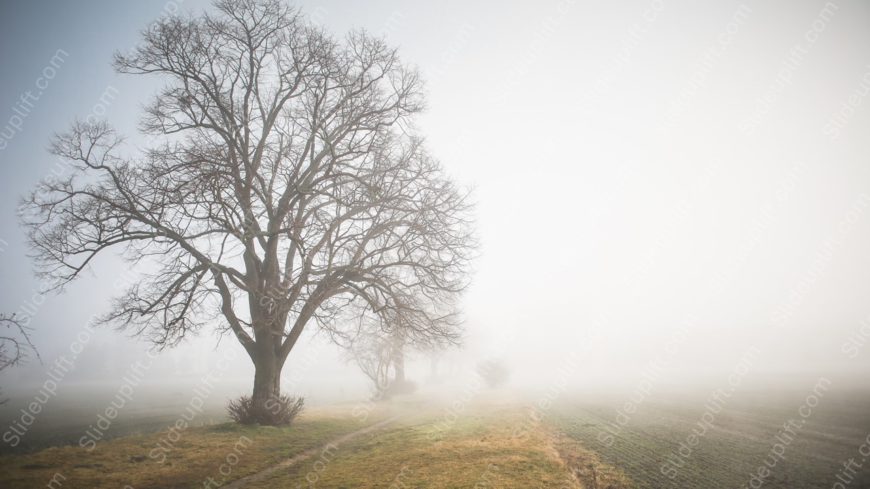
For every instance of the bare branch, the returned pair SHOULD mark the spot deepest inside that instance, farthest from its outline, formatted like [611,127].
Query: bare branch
[282,189]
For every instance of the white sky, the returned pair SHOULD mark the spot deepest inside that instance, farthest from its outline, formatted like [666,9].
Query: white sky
[652,163]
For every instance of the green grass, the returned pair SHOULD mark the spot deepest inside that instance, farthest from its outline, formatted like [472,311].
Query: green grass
[420,449]
[198,454]
[741,437]
[477,450]
[490,445]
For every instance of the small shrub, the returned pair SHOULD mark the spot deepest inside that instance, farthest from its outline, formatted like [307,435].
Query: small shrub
[277,411]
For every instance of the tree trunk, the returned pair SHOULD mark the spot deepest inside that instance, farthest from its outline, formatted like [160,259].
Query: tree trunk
[268,362]
[267,383]
[399,366]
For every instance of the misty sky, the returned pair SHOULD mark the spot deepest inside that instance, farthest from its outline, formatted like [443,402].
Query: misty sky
[683,179]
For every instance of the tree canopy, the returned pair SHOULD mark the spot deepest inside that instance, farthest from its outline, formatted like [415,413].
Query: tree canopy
[284,184]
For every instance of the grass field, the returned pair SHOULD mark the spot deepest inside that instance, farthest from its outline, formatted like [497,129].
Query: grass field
[480,450]
[418,446]
[183,458]
[740,439]
[497,443]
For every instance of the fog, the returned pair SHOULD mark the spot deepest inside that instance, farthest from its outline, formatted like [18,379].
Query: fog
[663,189]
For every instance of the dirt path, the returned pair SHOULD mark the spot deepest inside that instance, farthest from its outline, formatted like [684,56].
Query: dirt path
[300,457]
[584,466]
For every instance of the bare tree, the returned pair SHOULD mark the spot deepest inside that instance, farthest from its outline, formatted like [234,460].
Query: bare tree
[285,188]
[14,343]
[378,353]
[373,355]
[494,372]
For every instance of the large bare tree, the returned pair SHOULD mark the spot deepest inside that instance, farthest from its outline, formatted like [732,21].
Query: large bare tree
[283,186]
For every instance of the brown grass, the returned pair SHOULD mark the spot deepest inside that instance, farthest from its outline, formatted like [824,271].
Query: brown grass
[492,448]
[200,453]
[489,446]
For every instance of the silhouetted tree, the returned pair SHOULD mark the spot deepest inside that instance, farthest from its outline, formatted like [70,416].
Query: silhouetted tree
[494,372]
[378,353]
[372,354]
[286,187]
[14,343]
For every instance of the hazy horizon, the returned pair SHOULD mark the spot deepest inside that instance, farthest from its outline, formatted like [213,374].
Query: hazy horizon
[656,182]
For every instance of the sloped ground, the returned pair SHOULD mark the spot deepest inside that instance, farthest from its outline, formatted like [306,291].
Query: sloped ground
[183,458]
[741,439]
[414,445]
[488,447]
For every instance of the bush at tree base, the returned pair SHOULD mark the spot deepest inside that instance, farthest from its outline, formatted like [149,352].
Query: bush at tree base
[277,411]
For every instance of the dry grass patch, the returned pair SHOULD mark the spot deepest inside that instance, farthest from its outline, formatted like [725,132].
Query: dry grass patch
[223,452]
[586,467]
[476,451]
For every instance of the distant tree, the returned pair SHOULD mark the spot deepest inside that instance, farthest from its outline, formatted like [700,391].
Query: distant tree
[373,355]
[380,356]
[435,355]
[15,343]
[493,372]
[283,187]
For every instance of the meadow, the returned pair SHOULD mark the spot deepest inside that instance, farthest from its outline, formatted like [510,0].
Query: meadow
[494,441]
[655,449]
[407,444]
